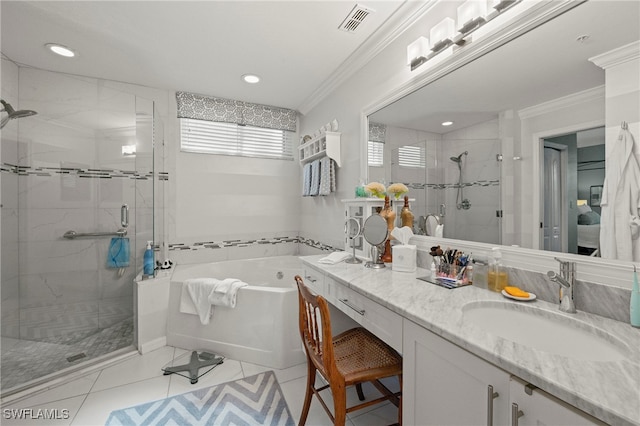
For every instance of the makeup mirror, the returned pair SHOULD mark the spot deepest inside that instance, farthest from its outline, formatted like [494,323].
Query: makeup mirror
[352,229]
[376,233]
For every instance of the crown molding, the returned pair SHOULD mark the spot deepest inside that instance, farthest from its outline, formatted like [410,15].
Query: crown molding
[617,56]
[595,93]
[402,19]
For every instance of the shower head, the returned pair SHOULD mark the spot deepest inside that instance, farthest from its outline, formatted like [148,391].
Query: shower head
[12,113]
[458,159]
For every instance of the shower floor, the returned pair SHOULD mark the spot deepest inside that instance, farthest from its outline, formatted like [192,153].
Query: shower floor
[26,360]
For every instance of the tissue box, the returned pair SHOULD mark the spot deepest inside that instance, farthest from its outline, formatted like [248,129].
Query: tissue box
[404,258]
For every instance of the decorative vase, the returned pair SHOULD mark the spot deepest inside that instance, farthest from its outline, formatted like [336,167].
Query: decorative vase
[406,216]
[389,215]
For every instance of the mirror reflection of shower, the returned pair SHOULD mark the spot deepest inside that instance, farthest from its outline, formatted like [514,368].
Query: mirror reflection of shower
[12,113]
[461,202]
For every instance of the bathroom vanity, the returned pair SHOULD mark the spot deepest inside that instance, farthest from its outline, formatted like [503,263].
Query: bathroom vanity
[458,369]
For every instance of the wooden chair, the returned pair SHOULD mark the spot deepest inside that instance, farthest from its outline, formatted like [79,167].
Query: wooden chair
[350,358]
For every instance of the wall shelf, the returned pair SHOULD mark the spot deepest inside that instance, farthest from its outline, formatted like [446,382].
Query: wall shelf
[327,144]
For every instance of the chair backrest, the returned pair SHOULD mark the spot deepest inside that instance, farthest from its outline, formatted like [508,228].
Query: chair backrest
[315,327]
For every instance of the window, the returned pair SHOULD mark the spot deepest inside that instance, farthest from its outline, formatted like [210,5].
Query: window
[210,137]
[411,156]
[376,154]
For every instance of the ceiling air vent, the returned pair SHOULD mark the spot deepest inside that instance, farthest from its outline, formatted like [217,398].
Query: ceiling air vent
[355,18]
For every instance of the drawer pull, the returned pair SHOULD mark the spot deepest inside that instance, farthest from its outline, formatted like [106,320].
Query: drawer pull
[310,278]
[515,414]
[355,308]
[491,395]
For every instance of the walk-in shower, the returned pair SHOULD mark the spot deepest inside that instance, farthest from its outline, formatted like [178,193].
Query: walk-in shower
[12,113]
[64,305]
[461,202]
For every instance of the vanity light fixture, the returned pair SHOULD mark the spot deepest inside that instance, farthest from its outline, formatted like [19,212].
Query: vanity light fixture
[447,123]
[251,78]
[471,14]
[443,32]
[418,52]
[61,50]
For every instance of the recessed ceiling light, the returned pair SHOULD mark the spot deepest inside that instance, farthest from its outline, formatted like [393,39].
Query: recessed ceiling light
[251,78]
[447,123]
[61,50]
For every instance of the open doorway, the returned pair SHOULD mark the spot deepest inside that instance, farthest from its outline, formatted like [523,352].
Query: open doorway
[573,175]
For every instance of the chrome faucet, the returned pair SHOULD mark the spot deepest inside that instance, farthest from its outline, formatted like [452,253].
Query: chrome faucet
[567,282]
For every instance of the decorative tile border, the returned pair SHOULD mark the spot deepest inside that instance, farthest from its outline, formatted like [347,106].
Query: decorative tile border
[479,183]
[246,243]
[79,172]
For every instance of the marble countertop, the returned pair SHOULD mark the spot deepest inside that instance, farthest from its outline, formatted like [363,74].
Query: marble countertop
[609,391]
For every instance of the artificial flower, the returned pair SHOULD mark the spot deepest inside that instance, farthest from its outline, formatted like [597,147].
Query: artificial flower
[376,189]
[397,190]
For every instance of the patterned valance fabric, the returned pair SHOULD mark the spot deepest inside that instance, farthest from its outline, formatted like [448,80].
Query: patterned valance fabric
[191,105]
[377,132]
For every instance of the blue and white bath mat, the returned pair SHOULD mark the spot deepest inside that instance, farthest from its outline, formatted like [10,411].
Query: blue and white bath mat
[255,400]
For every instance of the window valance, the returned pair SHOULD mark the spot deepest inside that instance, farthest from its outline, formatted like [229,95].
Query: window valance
[191,105]
[377,132]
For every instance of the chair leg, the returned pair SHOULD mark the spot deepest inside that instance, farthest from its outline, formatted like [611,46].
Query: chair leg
[311,382]
[359,391]
[339,404]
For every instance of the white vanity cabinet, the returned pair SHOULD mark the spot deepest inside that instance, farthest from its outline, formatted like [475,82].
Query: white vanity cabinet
[446,385]
[531,406]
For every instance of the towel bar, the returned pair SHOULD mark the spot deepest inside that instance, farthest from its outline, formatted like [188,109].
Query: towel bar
[70,235]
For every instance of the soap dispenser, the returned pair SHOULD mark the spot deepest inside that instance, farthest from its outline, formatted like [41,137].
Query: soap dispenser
[147,262]
[497,278]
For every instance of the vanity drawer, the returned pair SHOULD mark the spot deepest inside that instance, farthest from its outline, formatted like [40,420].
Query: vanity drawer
[314,280]
[382,322]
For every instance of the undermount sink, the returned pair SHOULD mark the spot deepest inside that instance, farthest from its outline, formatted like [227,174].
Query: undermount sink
[545,331]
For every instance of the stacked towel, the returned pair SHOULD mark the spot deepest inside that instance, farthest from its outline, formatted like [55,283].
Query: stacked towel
[306,180]
[325,176]
[205,292]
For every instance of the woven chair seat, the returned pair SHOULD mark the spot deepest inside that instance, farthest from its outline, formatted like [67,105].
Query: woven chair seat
[360,356]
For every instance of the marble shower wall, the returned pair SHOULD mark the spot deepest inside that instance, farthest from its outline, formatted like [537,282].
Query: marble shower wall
[71,174]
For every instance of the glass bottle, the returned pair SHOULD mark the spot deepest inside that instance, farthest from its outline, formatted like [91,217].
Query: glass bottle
[389,215]
[497,278]
[406,216]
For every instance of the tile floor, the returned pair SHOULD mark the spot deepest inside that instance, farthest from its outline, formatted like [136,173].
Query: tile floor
[139,379]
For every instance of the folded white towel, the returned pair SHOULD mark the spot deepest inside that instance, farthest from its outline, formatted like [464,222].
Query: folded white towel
[439,231]
[205,292]
[335,257]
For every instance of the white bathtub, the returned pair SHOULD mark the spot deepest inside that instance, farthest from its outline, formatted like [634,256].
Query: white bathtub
[261,329]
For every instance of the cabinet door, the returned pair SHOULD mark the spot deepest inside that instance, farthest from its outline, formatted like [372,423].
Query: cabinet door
[534,407]
[446,385]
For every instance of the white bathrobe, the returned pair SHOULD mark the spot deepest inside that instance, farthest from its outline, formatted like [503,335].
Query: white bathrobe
[619,223]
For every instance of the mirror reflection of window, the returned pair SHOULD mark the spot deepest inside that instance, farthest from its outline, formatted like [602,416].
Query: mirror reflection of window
[376,154]
[411,156]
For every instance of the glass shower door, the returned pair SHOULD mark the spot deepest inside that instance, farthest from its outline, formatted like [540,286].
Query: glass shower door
[79,161]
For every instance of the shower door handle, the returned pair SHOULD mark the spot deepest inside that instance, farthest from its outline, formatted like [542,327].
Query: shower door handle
[124,215]
[443,210]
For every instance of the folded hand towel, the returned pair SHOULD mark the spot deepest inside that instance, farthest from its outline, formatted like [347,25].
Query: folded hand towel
[306,180]
[315,178]
[118,253]
[206,292]
[224,293]
[335,257]
[325,176]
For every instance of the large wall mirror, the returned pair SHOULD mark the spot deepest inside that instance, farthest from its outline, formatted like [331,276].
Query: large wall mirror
[463,143]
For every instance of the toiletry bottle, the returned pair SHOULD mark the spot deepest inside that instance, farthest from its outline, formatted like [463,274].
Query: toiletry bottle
[406,215]
[501,277]
[147,262]
[433,269]
[634,312]
[497,278]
